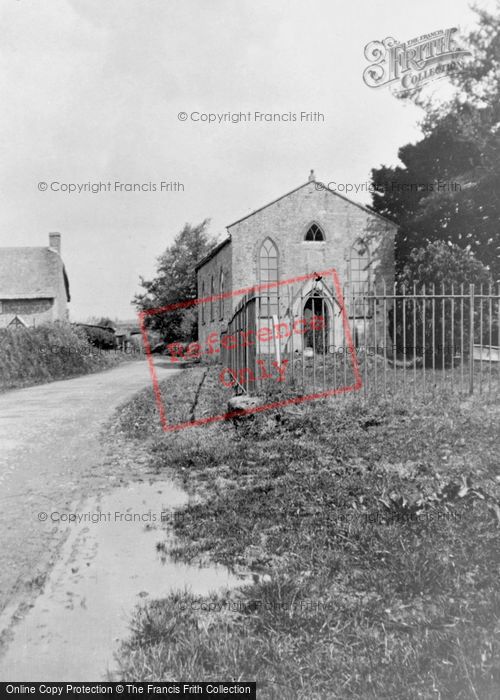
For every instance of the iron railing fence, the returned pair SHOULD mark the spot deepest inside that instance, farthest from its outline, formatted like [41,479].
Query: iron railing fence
[380,340]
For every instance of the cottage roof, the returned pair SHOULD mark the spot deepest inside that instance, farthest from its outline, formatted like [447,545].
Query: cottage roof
[31,273]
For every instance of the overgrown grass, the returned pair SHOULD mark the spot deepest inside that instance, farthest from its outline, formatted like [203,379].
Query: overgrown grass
[52,351]
[138,418]
[372,534]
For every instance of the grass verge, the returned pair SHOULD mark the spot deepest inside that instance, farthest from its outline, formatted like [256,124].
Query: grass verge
[371,534]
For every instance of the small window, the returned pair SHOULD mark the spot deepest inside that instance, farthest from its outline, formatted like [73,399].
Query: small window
[212,293]
[221,298]
[203,303]
[314,233]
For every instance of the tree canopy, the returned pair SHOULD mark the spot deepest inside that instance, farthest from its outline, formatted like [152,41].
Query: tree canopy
[448,188]
[175,281]
[440,263]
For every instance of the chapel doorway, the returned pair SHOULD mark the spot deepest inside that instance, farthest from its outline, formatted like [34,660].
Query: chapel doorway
[316,314]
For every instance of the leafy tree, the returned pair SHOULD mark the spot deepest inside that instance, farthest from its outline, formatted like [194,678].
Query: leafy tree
[105,322]
[441,264]
[437,324]
[448,188]
[175,281]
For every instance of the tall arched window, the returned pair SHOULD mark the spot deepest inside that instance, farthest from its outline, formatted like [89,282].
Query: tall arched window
[212,293]
[221,292]
[314,233]
[268,272]
[359,276]
[203,303]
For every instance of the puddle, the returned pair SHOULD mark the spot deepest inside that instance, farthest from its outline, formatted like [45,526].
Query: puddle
[104,571]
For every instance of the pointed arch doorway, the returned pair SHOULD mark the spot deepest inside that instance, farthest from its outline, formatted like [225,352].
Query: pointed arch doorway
[317,300]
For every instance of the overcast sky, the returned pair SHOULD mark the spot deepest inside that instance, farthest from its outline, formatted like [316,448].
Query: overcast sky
[91,90]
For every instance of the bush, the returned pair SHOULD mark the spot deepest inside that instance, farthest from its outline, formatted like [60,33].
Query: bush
[103,338]
[53,351]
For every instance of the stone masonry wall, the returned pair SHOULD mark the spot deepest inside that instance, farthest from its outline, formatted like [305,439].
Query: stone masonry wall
[34,312]
[212,268]
[286,223]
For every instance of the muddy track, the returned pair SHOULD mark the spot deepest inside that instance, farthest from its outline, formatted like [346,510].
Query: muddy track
[53,454]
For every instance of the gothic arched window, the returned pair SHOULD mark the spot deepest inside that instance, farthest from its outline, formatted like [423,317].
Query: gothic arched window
[221,292]
[314,233]
[359,276]
[268,273]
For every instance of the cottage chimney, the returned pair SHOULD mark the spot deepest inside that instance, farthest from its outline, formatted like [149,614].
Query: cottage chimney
[55,241]
[312,176]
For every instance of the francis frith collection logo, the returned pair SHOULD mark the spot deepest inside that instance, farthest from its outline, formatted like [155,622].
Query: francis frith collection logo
[412,64]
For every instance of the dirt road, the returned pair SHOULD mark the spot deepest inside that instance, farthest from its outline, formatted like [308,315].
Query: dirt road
[51,456]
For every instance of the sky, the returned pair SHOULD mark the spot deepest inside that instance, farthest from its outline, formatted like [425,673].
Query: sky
[91,93]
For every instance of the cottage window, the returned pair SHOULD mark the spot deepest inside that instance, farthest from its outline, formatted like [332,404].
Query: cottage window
[314,233]
[268,273]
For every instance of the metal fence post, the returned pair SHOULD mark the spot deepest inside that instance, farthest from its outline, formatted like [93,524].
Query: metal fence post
[471,339]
